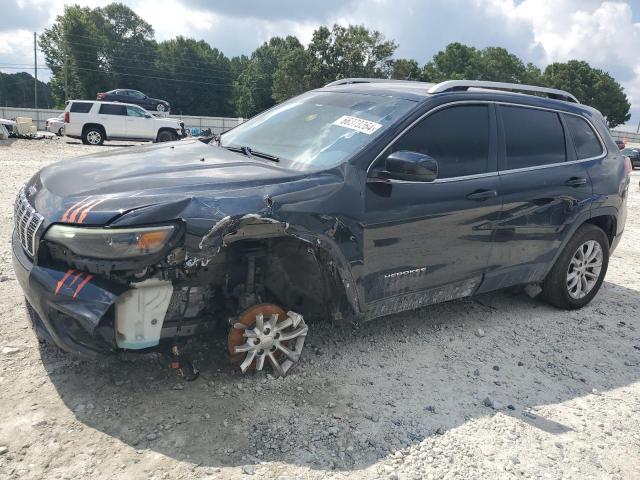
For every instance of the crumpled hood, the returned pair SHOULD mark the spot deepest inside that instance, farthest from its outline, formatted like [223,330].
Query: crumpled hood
[97,188]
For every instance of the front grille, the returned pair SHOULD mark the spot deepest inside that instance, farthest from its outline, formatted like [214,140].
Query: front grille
[26,222]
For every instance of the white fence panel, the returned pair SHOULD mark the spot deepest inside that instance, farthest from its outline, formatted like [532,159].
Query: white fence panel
[196,124]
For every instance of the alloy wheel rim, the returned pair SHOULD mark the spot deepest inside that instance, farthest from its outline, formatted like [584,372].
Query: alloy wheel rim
[94,137]
[277,341]
[584,269]
[160,107]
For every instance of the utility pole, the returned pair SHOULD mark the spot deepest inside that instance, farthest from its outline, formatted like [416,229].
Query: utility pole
[35,67]
[66,83]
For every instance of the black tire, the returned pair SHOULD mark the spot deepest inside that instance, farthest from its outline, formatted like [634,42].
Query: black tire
[555,288]
[93,136]
[166,136]
[160,107]
[60,132]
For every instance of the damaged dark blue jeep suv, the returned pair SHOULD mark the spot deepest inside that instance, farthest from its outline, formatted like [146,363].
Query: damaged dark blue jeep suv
[353,201]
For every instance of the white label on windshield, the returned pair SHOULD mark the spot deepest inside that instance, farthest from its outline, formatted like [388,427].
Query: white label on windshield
[357,124]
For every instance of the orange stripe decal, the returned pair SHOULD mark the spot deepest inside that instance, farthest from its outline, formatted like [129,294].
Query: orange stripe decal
[81,286]
[63,279]
[65,217]
[86,211]
[75,279]
[74,214]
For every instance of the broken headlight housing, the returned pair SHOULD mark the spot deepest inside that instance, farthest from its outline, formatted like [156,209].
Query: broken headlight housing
[111,243]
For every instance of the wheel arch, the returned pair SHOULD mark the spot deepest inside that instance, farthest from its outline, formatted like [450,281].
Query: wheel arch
[173,131]
[95,125]
[295,249]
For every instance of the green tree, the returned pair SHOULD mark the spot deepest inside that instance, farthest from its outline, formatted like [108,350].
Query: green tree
[458,62]
[200,77]
[98,49]
[16,90]
[455,62]
[276,61]
[592,87]
[405,69]
[352,51]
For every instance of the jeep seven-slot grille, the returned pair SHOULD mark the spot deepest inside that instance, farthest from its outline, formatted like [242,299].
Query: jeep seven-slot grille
[27,222]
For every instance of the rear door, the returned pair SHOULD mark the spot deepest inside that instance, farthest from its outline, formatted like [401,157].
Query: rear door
[112,117]
[545,188]
[426,242]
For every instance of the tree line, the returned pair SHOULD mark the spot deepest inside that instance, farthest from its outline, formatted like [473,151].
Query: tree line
[94,50]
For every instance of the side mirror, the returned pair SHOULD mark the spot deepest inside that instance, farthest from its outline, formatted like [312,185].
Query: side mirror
[412,166]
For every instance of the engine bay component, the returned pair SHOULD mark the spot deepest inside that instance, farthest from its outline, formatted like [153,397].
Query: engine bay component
[140,314]
[265,332]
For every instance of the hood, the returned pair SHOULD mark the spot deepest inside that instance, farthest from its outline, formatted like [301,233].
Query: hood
[96,188]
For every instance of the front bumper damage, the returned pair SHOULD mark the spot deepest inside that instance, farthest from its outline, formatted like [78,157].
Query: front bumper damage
[89,315]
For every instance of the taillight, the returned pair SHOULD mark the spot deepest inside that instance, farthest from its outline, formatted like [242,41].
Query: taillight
[628,166]
[66,117]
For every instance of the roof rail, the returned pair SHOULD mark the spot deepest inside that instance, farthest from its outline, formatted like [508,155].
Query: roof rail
[462,85]
[347,81]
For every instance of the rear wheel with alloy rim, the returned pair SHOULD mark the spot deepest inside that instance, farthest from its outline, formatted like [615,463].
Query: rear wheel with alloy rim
[93,136]
[579,272]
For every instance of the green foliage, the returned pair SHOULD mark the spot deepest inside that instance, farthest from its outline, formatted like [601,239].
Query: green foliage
[16,90]
[111,47]
[405,69]
[461,62]
[592,87]
[352,51]
[205,75]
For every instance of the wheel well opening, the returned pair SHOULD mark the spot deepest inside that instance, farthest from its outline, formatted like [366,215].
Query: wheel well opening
[293,274]
[607,223]
[86,126]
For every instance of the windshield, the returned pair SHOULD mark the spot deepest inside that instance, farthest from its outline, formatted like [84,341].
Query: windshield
[318,130]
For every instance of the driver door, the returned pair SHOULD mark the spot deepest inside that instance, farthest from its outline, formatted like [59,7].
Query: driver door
[427,242]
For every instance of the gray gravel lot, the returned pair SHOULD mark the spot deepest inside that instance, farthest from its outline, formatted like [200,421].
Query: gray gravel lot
[499,386]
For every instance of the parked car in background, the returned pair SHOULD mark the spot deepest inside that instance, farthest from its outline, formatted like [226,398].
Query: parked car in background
[633,154]
[358,200]
[94,122]
[56,125]
[620,144]
[135,97]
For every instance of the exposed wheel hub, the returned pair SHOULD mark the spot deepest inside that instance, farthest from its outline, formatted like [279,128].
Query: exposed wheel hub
[265,333]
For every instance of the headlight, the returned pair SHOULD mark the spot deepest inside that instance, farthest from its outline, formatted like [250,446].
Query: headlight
[110,243]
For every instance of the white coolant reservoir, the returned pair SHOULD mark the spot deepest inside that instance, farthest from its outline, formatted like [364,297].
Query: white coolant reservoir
[140,314]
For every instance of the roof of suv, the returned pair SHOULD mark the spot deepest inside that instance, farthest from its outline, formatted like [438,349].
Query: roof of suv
[414,90]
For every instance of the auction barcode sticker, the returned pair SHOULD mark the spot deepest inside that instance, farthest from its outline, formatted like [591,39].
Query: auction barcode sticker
[357,124]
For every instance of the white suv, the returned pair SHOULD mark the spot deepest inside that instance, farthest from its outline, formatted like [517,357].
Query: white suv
[94,122]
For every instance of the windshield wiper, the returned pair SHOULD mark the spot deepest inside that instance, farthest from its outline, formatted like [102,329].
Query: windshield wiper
[252,153]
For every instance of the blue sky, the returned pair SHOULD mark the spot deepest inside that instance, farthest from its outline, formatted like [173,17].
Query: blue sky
[604,33]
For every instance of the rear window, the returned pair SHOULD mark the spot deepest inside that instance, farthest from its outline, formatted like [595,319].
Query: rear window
[584,138]
[532,137]
[108,109]
[80,107]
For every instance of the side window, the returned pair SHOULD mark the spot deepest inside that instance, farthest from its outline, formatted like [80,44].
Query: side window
[136,94]
[109,109]
[135,112]
[533,137]
[80,107]
[584,138]
[456,137]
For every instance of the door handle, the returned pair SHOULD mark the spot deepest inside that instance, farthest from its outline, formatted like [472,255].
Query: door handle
[480,195]
[576,182]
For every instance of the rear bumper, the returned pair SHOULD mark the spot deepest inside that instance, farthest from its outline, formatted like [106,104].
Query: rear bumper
[75,314]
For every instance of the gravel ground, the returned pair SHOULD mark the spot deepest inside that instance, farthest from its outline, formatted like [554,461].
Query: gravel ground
[499,386]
